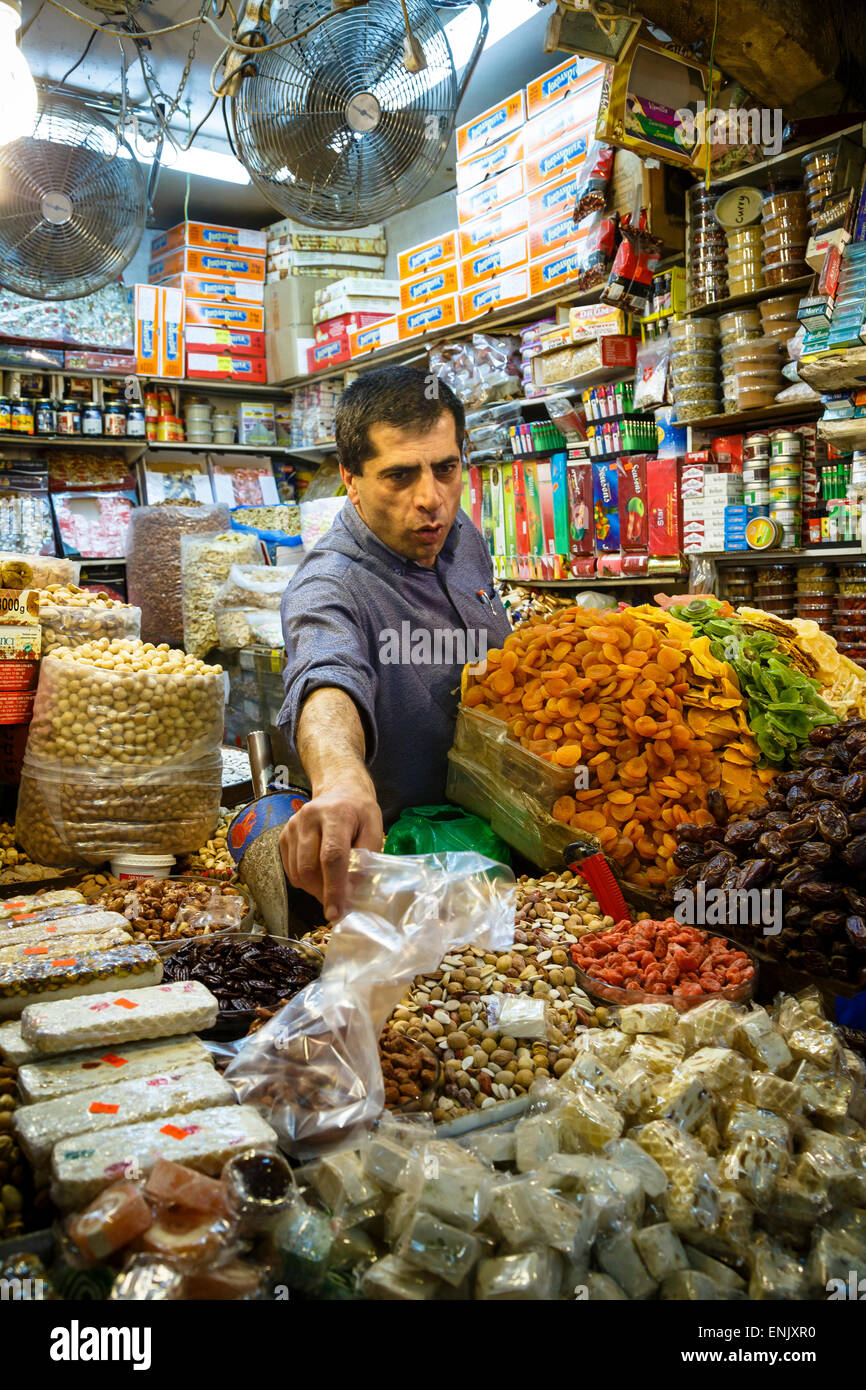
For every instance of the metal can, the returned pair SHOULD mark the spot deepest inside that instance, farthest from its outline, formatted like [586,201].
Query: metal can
[69,418]
[91,419]
[114,419]
[22,417]
[45,417]
[135,422]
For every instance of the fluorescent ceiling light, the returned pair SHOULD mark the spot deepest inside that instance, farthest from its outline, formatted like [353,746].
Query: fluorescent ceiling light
[200,161]
[462,30]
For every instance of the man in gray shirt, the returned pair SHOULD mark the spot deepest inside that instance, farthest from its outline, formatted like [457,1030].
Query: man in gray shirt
[378,622]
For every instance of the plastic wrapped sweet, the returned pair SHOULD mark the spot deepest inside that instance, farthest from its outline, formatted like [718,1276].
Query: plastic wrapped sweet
[531,1275]
[438,1248]
[116,1217]
[25,982]
[51,1077]
[36,903]
[90,921]
[201,1139]
[64,945]
[155,1012]
[39,1127]
[153,564]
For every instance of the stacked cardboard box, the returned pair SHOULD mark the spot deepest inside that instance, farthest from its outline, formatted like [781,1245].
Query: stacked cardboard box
[219,273]
[352,316]
[295,249]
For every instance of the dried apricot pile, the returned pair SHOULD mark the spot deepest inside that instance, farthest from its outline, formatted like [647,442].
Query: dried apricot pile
[628,697]
[663,958]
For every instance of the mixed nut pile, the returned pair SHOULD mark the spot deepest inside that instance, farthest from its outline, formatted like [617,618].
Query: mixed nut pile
[213,859]
[169,909]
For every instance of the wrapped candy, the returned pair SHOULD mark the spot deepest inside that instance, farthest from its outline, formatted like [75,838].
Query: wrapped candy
[661,1250]
[439,1248]
[585,1120]
[532,1275]
[757,1037]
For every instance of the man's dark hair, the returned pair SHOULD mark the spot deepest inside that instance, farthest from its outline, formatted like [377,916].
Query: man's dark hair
[404,397]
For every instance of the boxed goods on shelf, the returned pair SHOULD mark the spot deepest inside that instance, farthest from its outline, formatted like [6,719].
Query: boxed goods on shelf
[208,236]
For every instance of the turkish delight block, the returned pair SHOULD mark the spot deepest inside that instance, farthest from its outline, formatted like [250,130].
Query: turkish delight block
[714,1269]
[759,1039]
[50,1077]
[635,1084]
[203,1139]
[770,1092]
[394,1279]
[658,1055]
[661,1250]
[688,1285]
[709,1025]
[462,1195]
[39,1127]
[589,1070]
[493,1145]
[748,1119]
[535,1139]
[391,1165]
[587,1121]
[603,1289]
[716,1067]
[625,1153]
[439,1248]
[608,1044]
[172,1184]
[341,1182]
[647,1018]
[64,946]
[25,982]
[684,1101]
[119,1016]
[618,1257]
[532,1275]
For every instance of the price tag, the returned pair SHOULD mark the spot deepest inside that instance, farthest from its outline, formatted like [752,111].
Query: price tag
[98,1108]
[36,951]
[125,1004]
[174,1132]
[114,1061]
[67,960]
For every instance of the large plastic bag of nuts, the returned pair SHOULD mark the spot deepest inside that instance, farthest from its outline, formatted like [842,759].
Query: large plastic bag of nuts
[206,563]
[153,571]
[126,704]
[71,816]
[314,1070]
[70,616]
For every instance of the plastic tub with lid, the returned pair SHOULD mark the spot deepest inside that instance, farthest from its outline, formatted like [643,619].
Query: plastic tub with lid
[142,865]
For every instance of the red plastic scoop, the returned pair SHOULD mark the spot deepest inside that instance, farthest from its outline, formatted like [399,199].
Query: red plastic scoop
[597,875]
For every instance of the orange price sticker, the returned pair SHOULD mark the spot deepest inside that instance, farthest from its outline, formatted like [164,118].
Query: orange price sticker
[114,1061]
[125,1004]
[67,960]
[24,917]
[174,1132]
[51,929]
[36,951]
[98,1108]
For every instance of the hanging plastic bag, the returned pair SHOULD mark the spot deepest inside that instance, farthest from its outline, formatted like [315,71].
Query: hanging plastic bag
[629,284]
[438,829]
[651,372]
[592,181]
[314,1069]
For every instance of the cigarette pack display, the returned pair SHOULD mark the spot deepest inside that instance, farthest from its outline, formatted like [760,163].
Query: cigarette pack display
[47,1078]
[209,236]
[157,1012]
[39,1127]
[222,341]
[202,1139]
[186,260]
[217,287]
[216,314]
[492,125]
[26,982]
[489,162]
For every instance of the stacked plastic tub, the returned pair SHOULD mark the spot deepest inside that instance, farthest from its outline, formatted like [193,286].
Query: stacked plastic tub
[818,170]
[694,370]
[745,260]
[851,610]
[751,362]
[707,279]
[816,594]
[786,235]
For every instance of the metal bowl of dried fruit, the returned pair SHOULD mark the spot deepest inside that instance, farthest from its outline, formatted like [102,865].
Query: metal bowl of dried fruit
[247,973]
[166,912]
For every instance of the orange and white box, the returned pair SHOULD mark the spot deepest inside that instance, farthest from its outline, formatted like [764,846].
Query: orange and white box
[147,300]
[493,261]
[558,159]
[430,254]
[553,199]
[502,188]
[428,318]
[209,236]
[552,235]
[375,335]
[488,162]
[567,80]
[492,125]
[496,294]
[193,260]
[486,231]
[433,285]
[553,271]
[221,314]
[204,287]
[171,340]
[559,121]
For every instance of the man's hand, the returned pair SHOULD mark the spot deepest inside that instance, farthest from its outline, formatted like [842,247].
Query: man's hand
[315,843]
[343,813]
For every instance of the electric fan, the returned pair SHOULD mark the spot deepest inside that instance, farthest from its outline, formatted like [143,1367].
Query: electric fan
[334,129]
[72,204]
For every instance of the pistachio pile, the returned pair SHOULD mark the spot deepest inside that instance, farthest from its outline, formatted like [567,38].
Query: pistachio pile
[213,859]
[482,1065]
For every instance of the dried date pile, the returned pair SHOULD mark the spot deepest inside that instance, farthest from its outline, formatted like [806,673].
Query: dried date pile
[244,975]
[809,840]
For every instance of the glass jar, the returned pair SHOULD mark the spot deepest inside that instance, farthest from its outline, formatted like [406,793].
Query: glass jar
[69,418]
[91,419]
[22,417]
[135,422]
[45,417]
[114,419]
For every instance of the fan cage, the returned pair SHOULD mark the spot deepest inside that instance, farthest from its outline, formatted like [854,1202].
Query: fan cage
[293,125]
[74,168]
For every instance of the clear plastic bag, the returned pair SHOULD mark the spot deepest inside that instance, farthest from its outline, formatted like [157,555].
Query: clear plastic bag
[253,586]
[44,570]
[153,565]
[206,562]
[314,1069]
[70,617]
[651,372]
